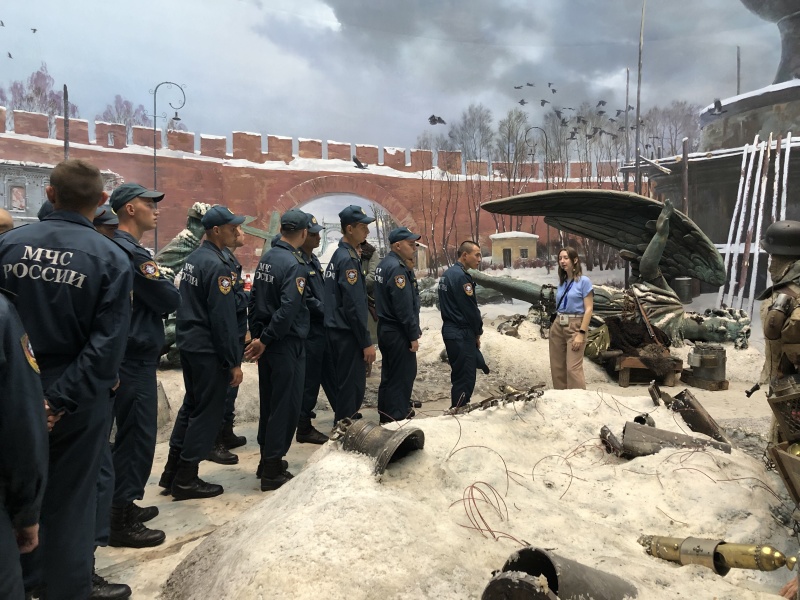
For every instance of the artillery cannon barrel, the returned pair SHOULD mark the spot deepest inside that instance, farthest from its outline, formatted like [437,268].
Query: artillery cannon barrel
[520,290]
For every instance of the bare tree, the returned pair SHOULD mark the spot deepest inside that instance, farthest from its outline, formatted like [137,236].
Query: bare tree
[122,111]
[37,94]
[512,162]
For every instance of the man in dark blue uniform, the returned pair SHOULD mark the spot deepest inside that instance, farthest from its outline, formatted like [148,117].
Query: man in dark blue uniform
[73,290]
[23,449]
[136,404]
[462,324]
[208,339]
[279,324]
[397,303]
[227,439]
[346,314]
[318,363]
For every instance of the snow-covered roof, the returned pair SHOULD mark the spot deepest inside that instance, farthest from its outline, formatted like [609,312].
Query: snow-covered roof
[205,136]
[309,140]
[390,150]
[506,235]
[247,132]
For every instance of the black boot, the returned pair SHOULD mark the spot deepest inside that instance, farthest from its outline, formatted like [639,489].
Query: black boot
[169,470]
[307,434]
[284,466]
[273,475]
[143,514]
[126,532]
[220,454]
[188,485]
[229,439]
[103,590]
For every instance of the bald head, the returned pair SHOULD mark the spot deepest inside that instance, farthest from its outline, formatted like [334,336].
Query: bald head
[6,222]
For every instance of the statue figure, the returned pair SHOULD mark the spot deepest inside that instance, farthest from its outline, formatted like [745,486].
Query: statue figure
[785,13]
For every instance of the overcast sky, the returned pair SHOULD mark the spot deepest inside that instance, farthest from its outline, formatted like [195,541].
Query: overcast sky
[371,72]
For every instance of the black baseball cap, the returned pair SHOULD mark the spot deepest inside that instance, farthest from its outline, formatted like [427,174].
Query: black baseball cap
[105,216]
[402,233]
[128,191]
[313,226]
[294,220]
[354,214]
[218,215]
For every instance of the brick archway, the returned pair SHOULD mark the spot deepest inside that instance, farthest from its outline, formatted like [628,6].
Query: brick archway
[318,187]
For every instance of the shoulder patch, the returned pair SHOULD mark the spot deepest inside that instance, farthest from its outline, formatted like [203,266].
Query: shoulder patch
[224,284]
[301,284]
[27,349]
[150,269]
[468,290]
[400,281]
[352,276]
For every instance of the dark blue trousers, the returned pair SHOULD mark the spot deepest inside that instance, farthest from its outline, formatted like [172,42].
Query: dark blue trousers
[462,356]
[398,371]
[200,415]
[350,372]
[281,371]
[62,564]
[10,569]
[230,398]
[105,495]
[136,410]
[319,371]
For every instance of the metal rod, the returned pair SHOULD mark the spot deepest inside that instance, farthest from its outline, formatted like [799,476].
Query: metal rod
[749,237]
[686,176]
[759,217]
[728,249]
[775,188]
[638,182]
[785,175]
[740,222]
[738,70]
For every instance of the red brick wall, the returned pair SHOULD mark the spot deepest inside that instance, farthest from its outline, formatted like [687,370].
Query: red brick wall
[309,149]
[78,130]
[31,124]
[339,151]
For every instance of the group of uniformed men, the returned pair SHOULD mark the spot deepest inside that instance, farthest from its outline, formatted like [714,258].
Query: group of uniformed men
[88,340]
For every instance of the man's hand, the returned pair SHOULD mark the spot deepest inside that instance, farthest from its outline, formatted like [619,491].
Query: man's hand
[414,346]
[236,376]
[789,590]
[369,354]
[577,341]
[52,418]
[478,342]
[27,538]
[254,350]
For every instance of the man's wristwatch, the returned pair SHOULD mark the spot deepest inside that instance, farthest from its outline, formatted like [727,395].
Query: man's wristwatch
[582,331]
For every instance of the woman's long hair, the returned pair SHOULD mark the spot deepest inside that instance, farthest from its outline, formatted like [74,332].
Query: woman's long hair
[577,271]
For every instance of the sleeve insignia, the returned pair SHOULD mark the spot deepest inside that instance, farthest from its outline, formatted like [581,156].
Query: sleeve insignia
[27,349]
[352,276]
[400,281]
[468,289]
[149,269]
[224,284]
[301,284]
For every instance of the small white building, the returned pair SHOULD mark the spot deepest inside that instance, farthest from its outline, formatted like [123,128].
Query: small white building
[510,246]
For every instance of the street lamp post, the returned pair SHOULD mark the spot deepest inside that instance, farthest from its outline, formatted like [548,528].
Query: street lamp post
[155,136]
[546,181]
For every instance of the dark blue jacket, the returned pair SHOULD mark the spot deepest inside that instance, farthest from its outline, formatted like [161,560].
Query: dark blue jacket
[73,288]
[396,296]
[278,304]
[23,431]
[346,294]
[242,297]
[154,297]
[206,320]
[458,303]
[315,289]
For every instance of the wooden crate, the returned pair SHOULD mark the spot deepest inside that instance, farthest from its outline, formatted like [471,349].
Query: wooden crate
[625,364]
[788,468]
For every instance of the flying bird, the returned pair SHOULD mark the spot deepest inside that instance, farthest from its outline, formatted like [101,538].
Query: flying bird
[530,84]
[558,112]
[33,29]
[434,120]
[564,123]
[554,90]
[600,103]
[601,112]
[612,120]
[581,119]
[572,136]
[2,24]
[620,111]
[9,55]
[517,87]
[589,136]
[569,108]
[359,164]
[523,102]
[631,107]
[595,130]
[544,102]
[549,84]
[717,108]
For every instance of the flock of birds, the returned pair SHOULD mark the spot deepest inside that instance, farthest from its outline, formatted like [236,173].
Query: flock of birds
[33,29]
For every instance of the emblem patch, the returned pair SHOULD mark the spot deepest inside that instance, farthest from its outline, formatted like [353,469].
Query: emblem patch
[149,269]
[28,351]
[352,276]
[468,289]
[301,284]
[400,281]
[224,284]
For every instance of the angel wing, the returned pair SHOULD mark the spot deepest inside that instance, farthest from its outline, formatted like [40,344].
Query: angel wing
[625,221]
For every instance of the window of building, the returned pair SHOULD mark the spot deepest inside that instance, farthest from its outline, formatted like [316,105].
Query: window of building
[111,140]
[523,253]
